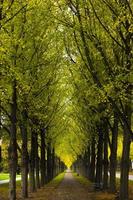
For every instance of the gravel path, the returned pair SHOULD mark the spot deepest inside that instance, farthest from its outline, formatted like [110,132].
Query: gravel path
[70,189]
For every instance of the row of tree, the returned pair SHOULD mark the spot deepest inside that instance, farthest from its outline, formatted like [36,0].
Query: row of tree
[98,38]
[29,71]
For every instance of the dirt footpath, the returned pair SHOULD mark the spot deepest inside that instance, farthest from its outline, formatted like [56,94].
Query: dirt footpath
[70,189]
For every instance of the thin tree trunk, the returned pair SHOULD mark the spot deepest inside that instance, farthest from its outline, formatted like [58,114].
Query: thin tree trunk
[59,165]
[32,163]
[99,163]
[25,158]
[37,161]
[113,154]
[88,160]
[12,150]
[42,161]
[92,162]
[48,162]
[53,163]
[106,163]
[86,163]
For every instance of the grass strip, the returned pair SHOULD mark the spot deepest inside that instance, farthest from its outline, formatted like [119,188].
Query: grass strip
[56,181]
[81,179]
[5,176]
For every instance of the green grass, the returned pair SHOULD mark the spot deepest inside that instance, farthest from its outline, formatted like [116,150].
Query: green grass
[57,180]
[81,179]
[131,182]
[5,176]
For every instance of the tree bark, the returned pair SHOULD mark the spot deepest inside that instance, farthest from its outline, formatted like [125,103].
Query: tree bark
[53,163]
[113,154]
[92,162]
[48,162]
[87,166]
[125,161]
[42,161]
[37,161]
[98,178]
[32,163]
[25,158]
[106,163]
[12,150]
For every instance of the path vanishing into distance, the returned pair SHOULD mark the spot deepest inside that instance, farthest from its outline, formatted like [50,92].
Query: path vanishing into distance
[69,189]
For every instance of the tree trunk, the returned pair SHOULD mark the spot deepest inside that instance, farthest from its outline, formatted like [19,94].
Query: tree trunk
[99,163]
[92,162]
[25,158]
[125,167]
[48,162]
[87,164]
[42,161]
[106,163]
[113,154]
[12,150]
[53,163]
[59,165]
[37,161]
[125,161]
[32,163]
